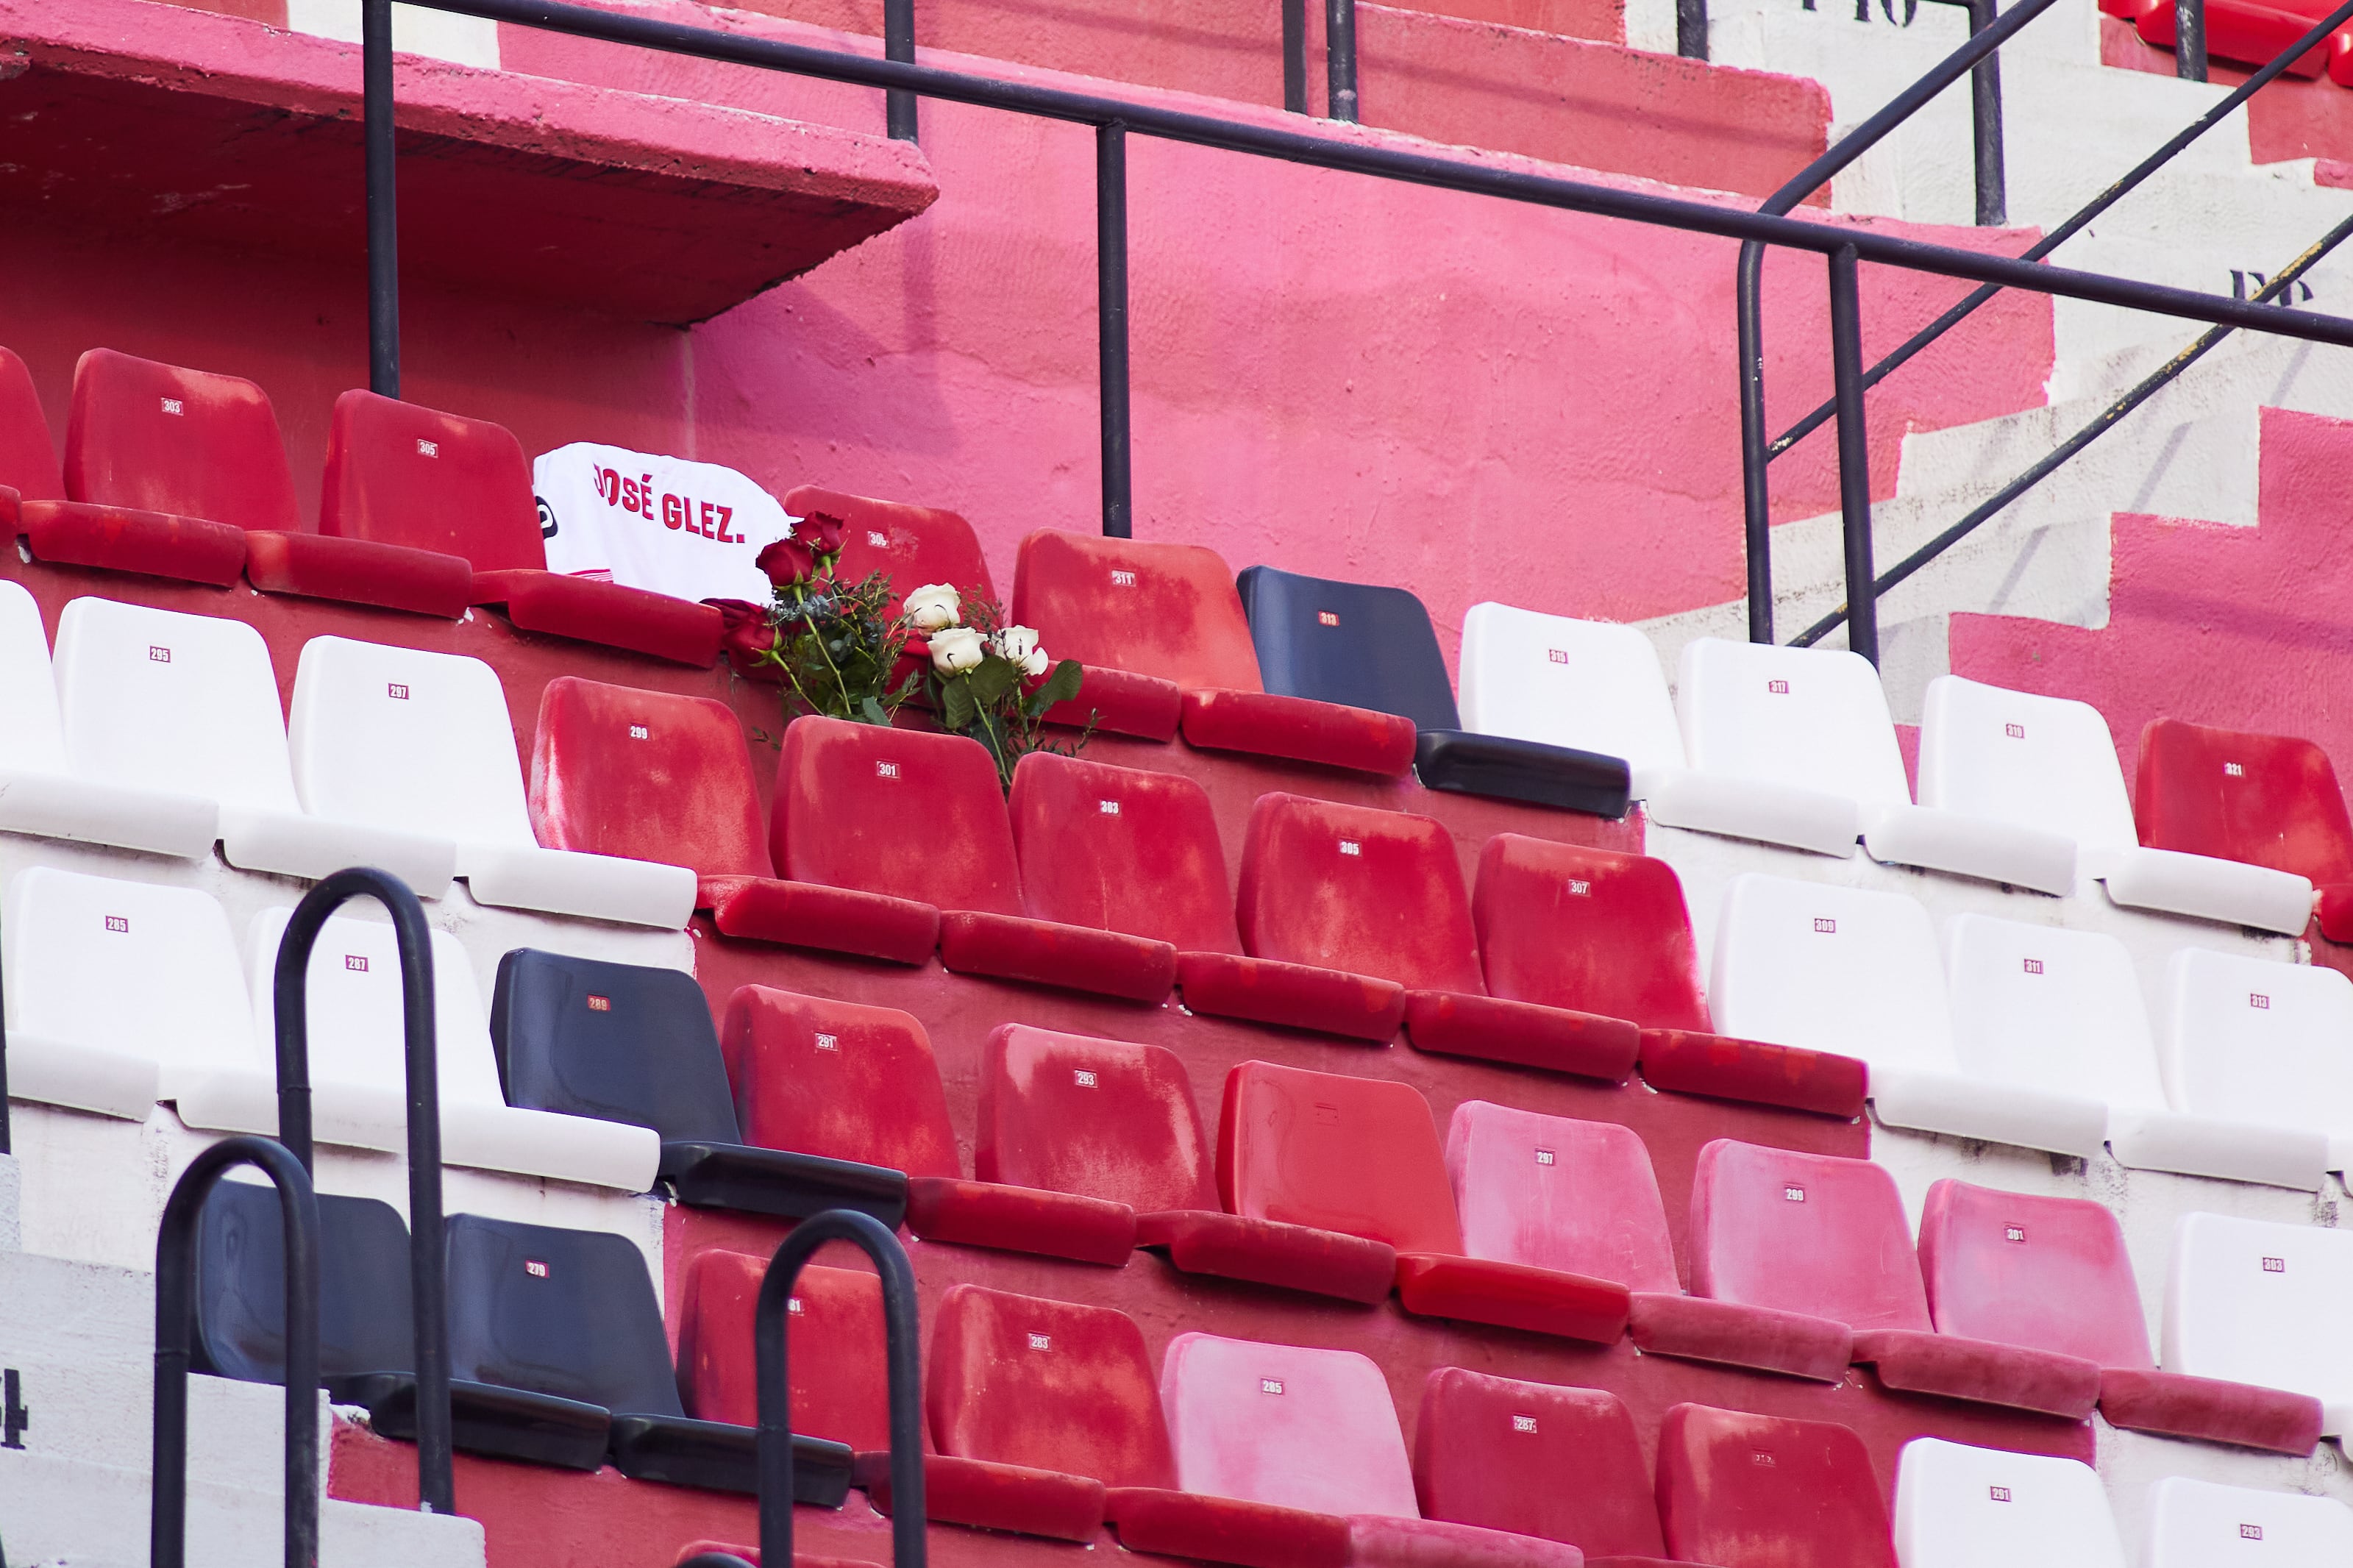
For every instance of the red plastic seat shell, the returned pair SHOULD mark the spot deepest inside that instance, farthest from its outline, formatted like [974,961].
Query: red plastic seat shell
[810,914]
[1726,1067]
[1491,1451]
[1588,929]
[28,460]
[1539,1300]
[2176,1405]
[837,1079]
[1804,1233]
[1226,1529]
[1350,1155]
[1268,1252]
[1170,611]
[1385,1541]
[1549,1192]
[1020,1219]
[2281,808]
[1769,1490]
[359,572]
[1122,849]
[401,473]
[838,1370]
[919,544]
[2046,1273]
[989,1496]
[1926,1363]
[1359,890]
[1018,1380]
[1123,702]
[1293,995]
[1295,728]
[895,812]
[149,436]
[615,770]
[1522,1032]
[586,610]
[1668,1322]
[1073,957]
[1108,1119]
[154,545]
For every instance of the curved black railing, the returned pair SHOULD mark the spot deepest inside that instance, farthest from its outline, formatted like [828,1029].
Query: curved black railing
[176,1316]
[290,991]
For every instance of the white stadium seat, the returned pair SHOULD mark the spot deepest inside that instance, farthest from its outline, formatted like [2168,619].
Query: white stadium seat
[2049,764]
[422,743]
[2200,1524]
[1591,685]
[39,790]
[150,694]
[1958,1506]
[2251,1040]
[2254,1302]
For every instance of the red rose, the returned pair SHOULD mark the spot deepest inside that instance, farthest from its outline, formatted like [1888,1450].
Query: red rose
[823,534]
[746,634]
[787,561]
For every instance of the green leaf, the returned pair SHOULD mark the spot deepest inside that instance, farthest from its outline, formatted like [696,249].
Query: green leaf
[992,679]
[957,710]
[873,711]
[1061,686]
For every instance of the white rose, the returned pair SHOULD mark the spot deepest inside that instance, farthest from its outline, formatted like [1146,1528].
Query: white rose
[1019,646]
[955,650]
[933,606]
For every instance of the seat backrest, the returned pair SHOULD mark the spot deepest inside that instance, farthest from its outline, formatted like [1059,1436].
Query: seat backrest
[1103,1119]
[1121,849]
[2251,1300]
[1312,1430]
[567,1312]
[1166,610]
[1803,1232]
[2050,1009]
[2029,760]
[1563,1464]
[2196,1524]
[148,971]
[1353,1154]
[1741,1489]
[355,1034]
[1015,1380]
[396,737]
[1351,643]
[32,730]
[836,1079]
[896,812]
[1830,969]
[1552,1193]
[363,1285]
[621,1042]
[1356,887]
[615,770]
[157,699]
[1591,685]
[2047,1273]
[28,460]
[1808,717]
[156,437]
[915,545]
[2252,1039]
[400,473]
[2268,800]
[1589,929]
[1958,1506]
[836,1367]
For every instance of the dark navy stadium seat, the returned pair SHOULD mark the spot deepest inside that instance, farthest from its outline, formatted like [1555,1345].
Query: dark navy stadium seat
[363,1321]
[1367,646]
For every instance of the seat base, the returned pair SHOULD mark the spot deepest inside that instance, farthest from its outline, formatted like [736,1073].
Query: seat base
[1694,1328]
[2175,1404]
[1466,762]
[59,805]
[566,882]
[2207,889]
[122,538]
[1124,703]
[1268,1252]
[1225,1529]
[1981,1107]
[1751,808]
[1299,730]
[1686,1061]
[1385,1541]
[83,1077]
[720,1457]
[990,1496]
[1020,1219]
[1522,1032]
[501,1422]
[832,919]
[586,610]
[359,572]
[784,1185]
[1965,846]
[292,844]
[1293,995]
[1512,1296]
[2269,1156]
[1918,1361]
[1044,952]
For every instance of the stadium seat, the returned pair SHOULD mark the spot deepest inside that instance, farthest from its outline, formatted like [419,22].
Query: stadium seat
[1167,622]
[1826,1237]
[1374,647]
[2267,1047]
[28,457]
[149,696]
[401,474]
[913,545]
[835,1357]
[1308,1432]
[1492,1452]
[1958,1506]
[364,1324]
[2196,1524]
[2254,1301]
[1593,930]
[1356,918]
[625,1043]
[858,1085]
[1741,1489]
[1291,1147]
[421,743]
[2240,30]
[2052,1274]
[1116,1122]
[1580,1198]
[39,792]
[2270,801]
[1121,849]
[1590,686]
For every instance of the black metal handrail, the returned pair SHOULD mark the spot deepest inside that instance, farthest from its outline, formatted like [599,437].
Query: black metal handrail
[289,993]
[176,1316]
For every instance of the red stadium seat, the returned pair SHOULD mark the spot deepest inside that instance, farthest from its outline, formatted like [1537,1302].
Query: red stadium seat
[2240,30]
[1560,1463]
[1826,1237]
[915,544]
[401,474]
[2052,1274]
[1361,1156]
[2267,800]
[834,1365]
[1121,849]
[1744,1489]
[1596,931]
[1158,626]
[28,459]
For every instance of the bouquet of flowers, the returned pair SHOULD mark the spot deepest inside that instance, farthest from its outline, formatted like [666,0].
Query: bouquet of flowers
[990,679]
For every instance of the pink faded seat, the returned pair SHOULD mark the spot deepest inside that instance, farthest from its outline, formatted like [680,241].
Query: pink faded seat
[1579,1197]
[2266,800]
[398,473]
[1361,1156]
[1121,849]
[1116,1122]
[913,545]
[1599,932]
[1826,1237]
[1163,624]
[1534,1459]
[1764,1489]
[2052,1274]
[836,1368]
[846,1082]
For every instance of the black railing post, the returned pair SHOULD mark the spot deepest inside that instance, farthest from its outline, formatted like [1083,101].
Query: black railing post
[1755,496]
[1985,118]
[1295,57]
[383,214]
[899,44]
[1111,324]
[1340,58]
[900,1347]
[2190,39]
[1691,29]
[1854,455]
[175,1315]
[289,996]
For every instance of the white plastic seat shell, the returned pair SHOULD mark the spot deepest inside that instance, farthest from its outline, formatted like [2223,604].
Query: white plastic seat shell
[2197,1524]
[1592,685]
[2258,1302]
[1963,1507]
[2251,1040]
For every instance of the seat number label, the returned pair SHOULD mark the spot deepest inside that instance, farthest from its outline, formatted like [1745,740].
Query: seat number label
[828,1042]
[2259,1002]
[2013,1233]
[792,1305]
[158,654]
[117,922]
[1108,807]
[2250,1533]
[534,1268]
[1123,579]
[1083,1076]
[1350,847]
[173,406]
[425,448]
[599,1004]
[1270,1385]
[2275,1265]
[395,690]
[1793,1195]
[356,962]
[640,733]
[2233,771]
[886,770]
[2033,967]
[1556,655]
[879,540]
[1041,1342]
[2015,731]
[1523,1424]
[1327,619]
[1544,1157]
[1580,888]
[1778,688]
[1999,1494]
[1825,925]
